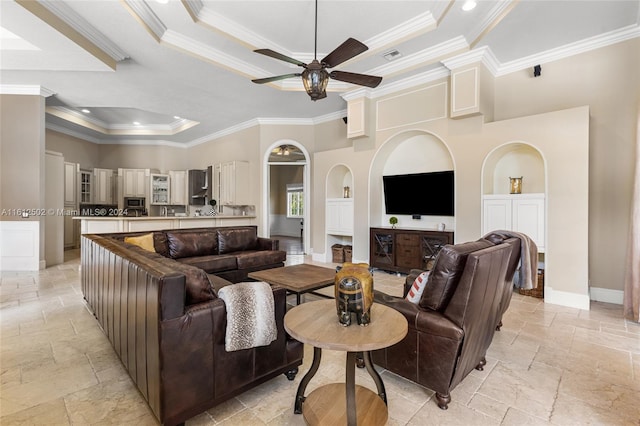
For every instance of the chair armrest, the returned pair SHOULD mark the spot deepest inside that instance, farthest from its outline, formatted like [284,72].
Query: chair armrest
[268,244]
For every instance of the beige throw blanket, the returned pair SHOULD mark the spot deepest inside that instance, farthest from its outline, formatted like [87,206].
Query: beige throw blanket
[528,271]
[250,315]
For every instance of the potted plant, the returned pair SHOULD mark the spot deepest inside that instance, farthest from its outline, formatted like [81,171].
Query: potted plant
[393,221]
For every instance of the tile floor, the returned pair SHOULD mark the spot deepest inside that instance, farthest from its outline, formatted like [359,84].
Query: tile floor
[548,365]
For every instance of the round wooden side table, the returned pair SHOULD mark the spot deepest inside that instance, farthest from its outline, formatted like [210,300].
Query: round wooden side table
[316,323]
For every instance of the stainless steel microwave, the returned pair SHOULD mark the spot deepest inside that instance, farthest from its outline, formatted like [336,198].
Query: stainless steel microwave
[134,202]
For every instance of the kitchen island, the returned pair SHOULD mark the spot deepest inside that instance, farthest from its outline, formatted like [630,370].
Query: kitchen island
[107,224]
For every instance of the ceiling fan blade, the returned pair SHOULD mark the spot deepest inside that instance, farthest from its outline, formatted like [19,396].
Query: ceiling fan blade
[276,55]
[276,78]
[347,50]
[359,79]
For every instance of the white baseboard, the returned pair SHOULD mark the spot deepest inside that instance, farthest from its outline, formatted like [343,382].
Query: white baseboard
[565,298]
[319,257]
[606,295]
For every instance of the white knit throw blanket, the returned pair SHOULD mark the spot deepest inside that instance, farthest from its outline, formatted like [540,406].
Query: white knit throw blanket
[250,315]
[528,270]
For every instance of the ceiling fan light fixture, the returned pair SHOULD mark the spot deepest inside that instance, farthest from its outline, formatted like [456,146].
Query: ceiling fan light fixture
[315,82]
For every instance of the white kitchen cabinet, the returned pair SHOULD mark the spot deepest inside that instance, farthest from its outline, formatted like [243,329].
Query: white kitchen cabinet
[160,189]
[178,193]
[86,189]
[103,184]
[71,171]
[231,183]
[134,182]
[340,216]
[516,212]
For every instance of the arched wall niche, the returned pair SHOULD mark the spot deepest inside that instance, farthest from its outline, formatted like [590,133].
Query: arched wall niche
[413,151]
[514,159]
[338,177]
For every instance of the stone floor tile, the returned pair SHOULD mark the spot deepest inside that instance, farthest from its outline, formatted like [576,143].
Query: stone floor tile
[455,415]
[51,413]
[515,417]
[568,410]
[531,390]
[488,406]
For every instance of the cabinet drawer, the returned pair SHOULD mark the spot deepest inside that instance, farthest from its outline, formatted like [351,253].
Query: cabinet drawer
[408,257]
[408,239]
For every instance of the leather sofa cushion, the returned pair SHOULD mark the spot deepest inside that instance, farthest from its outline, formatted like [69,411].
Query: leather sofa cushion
[212,263]
[160,243]
[190,244]
[198,287]
[253,259]
[237,239]
[446,273]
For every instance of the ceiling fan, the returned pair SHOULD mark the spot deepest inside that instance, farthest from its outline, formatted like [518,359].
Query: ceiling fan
[315,76]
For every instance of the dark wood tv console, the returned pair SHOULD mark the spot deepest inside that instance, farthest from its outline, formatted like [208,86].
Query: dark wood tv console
[400,250]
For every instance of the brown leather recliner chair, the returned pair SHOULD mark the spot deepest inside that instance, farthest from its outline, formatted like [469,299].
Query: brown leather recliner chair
[452,326]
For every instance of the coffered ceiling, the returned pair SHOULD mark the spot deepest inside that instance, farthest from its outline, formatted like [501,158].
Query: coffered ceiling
[179,72]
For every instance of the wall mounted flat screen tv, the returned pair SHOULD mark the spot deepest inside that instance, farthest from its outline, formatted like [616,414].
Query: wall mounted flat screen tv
[429,194]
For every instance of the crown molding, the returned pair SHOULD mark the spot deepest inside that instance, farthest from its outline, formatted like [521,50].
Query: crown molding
[417,25]
[483,55]
[72,133]
[78,23]
[25,89]
[208,53]
[100,126]
[206,16]
[422,58]
[61,18]
[571,49]
[493,18]
[146,17]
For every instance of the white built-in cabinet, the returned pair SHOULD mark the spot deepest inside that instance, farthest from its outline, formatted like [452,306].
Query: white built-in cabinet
[134,182]
[70,183]
[516,212]
[86,190]
[160,189]
[103,186]
[231,183]
[178,194]
[340,216]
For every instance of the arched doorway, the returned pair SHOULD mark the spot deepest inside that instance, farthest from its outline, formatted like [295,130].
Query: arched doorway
[286,195]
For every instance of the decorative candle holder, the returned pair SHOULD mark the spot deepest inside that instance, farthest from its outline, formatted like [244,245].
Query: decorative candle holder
[516,185]
[346,192]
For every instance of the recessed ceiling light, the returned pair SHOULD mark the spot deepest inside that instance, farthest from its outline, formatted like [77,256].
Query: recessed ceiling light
[177,117]
[162,1]
[86,111]
[469,5]
[137,123]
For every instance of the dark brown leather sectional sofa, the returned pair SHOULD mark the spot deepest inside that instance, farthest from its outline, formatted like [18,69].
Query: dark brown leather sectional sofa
[452,326]
[166,323]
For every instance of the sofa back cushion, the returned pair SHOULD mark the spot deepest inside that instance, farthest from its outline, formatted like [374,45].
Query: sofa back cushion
[191,244]
[446,273]
[237,239]
[197,283]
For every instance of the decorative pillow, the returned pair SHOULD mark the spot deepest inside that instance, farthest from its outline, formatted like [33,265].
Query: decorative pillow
[144,241]
[444,277]
[418,287]
[237,239]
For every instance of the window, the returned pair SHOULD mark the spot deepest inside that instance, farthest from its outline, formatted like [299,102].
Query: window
[295,200]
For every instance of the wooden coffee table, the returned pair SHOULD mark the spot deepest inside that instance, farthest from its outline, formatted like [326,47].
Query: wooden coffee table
[298,279]
[316,323]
